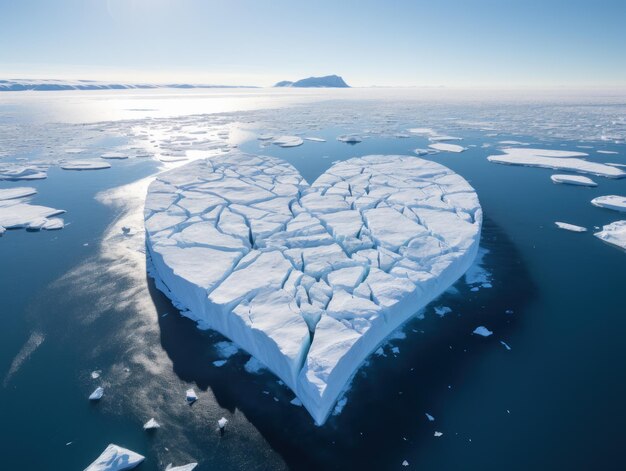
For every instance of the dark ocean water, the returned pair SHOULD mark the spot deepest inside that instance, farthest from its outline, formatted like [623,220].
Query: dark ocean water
[554,401]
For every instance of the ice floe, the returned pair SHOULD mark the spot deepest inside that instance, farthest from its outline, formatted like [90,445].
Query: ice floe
[191,396]
[17,192]
[151,424]
[482,331]
[115,458]
[97,394]
[445,147]
[114,155]
[555,159]
[573,180]
[222,422]
[185,467]
[84,165]
[15,214]
[349,139]
[288,141]
[22,173]
[570,227]
[617,203]
[614,234]
[243,245]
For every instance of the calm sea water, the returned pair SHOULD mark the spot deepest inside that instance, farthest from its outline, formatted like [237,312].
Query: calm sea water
[70,304]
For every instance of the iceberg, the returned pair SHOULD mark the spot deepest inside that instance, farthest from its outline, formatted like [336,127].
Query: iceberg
[614,234]
[191,396]
[570,227]
[573,180]
[151,425]
[84,165]
[445,147]
[97,394]
[115,458]
[309,279]
[617,203]
[555,159]
[482,331]
[114,156]
[222,423]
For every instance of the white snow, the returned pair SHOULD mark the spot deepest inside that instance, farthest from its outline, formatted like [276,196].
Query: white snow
[151,425]
[351,257]
[191,396]
[438,434]
[219,363]
[573,180]
[442,310]
[405,463]
[482,331]
[314,139]
[97,394]
[288,141]
[222,422]
[115,458]
[84,165]
[614,234]
[444,147]
[17,192]
[556,159]
[570,227]
[617,203]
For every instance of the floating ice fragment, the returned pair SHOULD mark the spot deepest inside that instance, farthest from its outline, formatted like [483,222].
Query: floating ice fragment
[22,173]
[253,366]
[482,331]
[219,363]
[314,139]
[191,396]
[438,434]
[573,180]
[606,152]
[226,349]
[424,151]
[97,394]
[84,165]
[288,141]
[617,203]
[115,458]
[222,422]
[570,227]
[444,147]
[17,192]
[442,310]
[430,417]
[151,425]
[506,345]
[341,403]
[614,234]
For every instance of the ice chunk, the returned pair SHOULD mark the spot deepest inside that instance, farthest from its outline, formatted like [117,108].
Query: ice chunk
[482,331]
[222,422]
[442,310]
[430,417]
[505,345]
[349,139]
[84,165]
[445,147]
[22,173]
[570,227]
[438,434]
[253,366]
[185,467]
[17,192]
[556,159]
[573,180]
[191,396]
[151,425]
[114,155]
[614,234]
[309,279]
[115,458]
[97,394]
[288,141]
[617,203]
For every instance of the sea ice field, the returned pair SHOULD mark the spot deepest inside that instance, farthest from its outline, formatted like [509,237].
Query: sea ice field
[312,279]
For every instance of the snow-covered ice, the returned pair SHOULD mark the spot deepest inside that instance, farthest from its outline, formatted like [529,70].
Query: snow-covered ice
[191,396]
[573,180]
[114,155]
[482,331]
[151,425]
[222,422]
[555,159]
[570,227]
[615,202]
[185,467]
[445,147]
[17,192]
[288,141]
[243,245]
[84,165]
[614,234]
[97,394]
[115,458]
[16,213]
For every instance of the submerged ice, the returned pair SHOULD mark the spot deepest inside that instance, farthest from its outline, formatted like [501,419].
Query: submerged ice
[309,279]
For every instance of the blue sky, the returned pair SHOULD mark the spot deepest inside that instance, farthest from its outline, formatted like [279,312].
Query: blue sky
[471,43]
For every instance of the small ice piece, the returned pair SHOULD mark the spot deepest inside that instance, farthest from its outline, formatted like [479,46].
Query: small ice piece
[84,165]
[570,227]
[556,159]
[222,423]
[185,467]
[614,234]
[617,203]
[314,139]
[405,463]
[265,137]
[115,458]
[22,173]
[95,374]
[17,192]
[578,180]
[288,141]
[2,230]
[226,349]
[445,147]
[341,403]
[296,402]
[506,345]
[97,394]
[430,417]
[53,224]
[438,434]
[395,350]
[349,139]
[442,310]
[114,155]
[191,396]
[422,151]
[16,214]
[254,366]
[219,363]
[606,152]
[482,331]
[151,425]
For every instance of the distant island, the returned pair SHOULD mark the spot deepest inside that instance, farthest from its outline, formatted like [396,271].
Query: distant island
[328,81]
[19,85]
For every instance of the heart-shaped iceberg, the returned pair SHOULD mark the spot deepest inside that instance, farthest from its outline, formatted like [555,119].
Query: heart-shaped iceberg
[309,279]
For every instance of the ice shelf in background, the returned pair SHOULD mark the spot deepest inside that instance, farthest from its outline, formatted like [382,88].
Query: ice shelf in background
[555,159]
[243,245]
[614,202]
[614,234]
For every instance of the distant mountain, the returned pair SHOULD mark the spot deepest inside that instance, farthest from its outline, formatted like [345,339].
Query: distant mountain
[19,85]
[329,81]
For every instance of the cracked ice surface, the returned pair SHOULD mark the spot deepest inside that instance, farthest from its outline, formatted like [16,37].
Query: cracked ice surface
[309,279]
